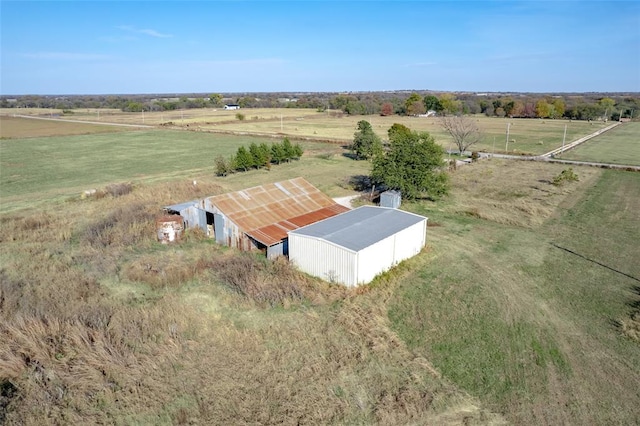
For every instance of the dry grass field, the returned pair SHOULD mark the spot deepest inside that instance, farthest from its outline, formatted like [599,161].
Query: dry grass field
[522,309]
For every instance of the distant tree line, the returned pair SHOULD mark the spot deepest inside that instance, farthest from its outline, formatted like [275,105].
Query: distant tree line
[579,106]
[258,156]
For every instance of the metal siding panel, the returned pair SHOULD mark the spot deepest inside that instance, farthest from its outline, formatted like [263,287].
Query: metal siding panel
[219,228]
[275,251]
[375,259]
[409,242]
[322,260]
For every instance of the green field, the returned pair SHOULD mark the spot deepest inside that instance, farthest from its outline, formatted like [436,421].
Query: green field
[509,316]
[519,310]
[618,146]
[40,168]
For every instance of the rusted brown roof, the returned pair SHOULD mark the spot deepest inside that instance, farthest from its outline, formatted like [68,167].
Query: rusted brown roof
[272,234]
[268,211]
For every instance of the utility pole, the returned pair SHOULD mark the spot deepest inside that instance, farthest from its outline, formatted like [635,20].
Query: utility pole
[506,147]
[563,138]
[494,147]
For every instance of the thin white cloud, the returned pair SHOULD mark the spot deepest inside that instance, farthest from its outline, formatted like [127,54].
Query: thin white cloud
[66,56]
[145,31]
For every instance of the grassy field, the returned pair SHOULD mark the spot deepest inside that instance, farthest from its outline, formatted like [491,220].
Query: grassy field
[506,312]
[61,166]
[517,311]
[526,136]
[618,146]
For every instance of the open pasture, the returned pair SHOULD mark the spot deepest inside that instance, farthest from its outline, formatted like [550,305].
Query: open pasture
[45,168]
[526,136]
[618,146]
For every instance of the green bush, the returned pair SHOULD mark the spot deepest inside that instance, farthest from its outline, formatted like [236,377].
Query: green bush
[567,175]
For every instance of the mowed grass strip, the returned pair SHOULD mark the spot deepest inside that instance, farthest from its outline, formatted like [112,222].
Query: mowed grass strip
[523,325]
[620,145]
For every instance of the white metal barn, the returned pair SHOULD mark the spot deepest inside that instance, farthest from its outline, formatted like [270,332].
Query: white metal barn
[353,247]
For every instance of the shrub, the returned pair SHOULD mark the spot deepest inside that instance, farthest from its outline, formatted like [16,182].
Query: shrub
[224,166]
[240,116]
[567,175]
[267,283]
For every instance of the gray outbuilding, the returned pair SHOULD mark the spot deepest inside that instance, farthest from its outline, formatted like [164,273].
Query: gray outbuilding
[353,247]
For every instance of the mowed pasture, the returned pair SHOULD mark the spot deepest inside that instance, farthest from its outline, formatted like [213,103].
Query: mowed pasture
[526,136]
[618,146]
[16,128]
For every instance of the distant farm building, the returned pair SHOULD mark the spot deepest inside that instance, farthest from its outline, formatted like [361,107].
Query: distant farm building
[232,106]
[355,246]
[259,218]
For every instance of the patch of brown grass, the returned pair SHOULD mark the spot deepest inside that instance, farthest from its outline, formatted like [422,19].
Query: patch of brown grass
[518,194]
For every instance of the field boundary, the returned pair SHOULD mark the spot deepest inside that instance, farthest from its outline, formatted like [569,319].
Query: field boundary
[579,141]
[101,123]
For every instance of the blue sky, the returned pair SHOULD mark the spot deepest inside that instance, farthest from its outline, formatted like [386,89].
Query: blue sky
[125,47]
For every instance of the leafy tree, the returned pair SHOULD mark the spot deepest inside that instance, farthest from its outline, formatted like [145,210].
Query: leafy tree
[449,104]
[387,109]
[432,103]
[278,154]
[413,164]
[224,166]
[365,142]
[607,105]
[463,130]
[543,109]
[244,159]
[413,105]
[215,99]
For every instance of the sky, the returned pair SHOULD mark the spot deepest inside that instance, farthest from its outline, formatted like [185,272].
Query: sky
[127,47]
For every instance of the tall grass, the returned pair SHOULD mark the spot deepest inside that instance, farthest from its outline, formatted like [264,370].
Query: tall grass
[100,323]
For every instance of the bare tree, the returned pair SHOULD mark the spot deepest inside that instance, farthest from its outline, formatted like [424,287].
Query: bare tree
[464,131]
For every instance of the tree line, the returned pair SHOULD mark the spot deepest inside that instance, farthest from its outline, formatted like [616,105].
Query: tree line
[258,156]
[589,106]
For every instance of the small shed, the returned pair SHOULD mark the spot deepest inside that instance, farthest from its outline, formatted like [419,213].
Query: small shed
[192,215]
[232,106]
[391,199]
[355,246]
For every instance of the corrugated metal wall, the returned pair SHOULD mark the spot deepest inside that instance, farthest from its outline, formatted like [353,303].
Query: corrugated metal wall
[334,263]
[322,259]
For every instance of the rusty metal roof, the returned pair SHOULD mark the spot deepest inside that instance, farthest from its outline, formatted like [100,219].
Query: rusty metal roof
[268,211]
[272,234]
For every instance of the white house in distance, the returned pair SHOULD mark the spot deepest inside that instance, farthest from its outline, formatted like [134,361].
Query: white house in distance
[232,106]
[353,247]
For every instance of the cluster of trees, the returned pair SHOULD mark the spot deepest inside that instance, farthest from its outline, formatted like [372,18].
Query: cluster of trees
[413,163]
[589,106]
[258,156]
